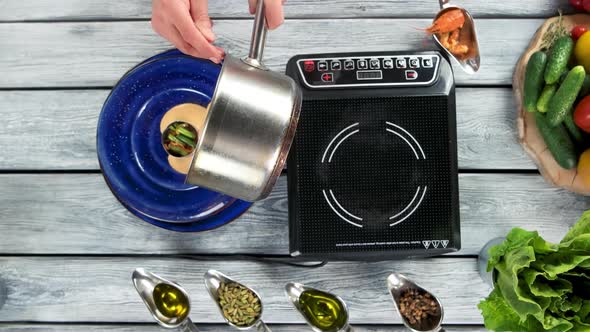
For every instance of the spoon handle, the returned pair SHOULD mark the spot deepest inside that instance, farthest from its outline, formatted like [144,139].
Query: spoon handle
[262,327]
[188,326]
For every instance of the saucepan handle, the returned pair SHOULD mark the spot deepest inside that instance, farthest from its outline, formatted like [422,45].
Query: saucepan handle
[258,34]
[444,3]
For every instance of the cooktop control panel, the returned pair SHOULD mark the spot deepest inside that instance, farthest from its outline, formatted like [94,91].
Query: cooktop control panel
[359,71]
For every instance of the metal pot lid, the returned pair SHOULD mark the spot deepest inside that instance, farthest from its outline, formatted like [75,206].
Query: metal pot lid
[130,152]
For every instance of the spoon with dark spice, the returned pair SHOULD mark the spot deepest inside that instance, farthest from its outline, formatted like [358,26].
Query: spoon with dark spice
[419,309]
[240,306]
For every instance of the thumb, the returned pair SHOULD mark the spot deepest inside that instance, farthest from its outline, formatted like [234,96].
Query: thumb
[274,13]
[200,15]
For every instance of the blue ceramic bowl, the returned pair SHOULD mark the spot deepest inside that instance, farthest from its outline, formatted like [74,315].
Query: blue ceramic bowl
[130,152]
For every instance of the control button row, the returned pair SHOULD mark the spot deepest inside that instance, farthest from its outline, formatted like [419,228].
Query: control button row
[411,75]
[373,63]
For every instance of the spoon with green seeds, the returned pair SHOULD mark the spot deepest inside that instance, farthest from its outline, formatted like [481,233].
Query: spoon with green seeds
[240,306]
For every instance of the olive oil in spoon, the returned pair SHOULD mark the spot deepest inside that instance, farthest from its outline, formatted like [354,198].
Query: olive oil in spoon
[168,303]
[323,311]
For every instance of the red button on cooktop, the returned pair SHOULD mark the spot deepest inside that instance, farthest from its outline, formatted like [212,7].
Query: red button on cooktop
[327,77]
[411,75]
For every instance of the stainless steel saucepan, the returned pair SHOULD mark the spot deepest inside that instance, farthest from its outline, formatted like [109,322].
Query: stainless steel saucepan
[249,127]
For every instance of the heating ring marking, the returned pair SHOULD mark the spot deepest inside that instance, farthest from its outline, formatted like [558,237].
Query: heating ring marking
[340,142]
[408,206]
[413,210]
[338,213]
[334,139]
[400,136]
[343,209]
[412,137]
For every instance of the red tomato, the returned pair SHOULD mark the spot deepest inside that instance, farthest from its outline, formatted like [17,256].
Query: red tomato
[578,31]
[582,114]
[577,4]
[586,5]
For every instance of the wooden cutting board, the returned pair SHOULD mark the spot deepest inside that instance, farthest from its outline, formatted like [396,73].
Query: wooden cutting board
[528,135]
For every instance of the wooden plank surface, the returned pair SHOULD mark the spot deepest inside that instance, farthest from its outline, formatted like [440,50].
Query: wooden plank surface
[99,289]
[19,10]
[97,54]
[77,214]
[486,131]
[202,328]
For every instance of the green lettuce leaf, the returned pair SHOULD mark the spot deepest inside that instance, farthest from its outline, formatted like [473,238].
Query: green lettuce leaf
[518,238]
[556,324]
[499,316]
[579,325]
[563,305]
[546,286]
[584,312]
[514,289]
[561,262]
[540,286]
[581,227]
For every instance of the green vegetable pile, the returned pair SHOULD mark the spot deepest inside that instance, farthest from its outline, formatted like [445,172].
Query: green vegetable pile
[540,286]
[555,84]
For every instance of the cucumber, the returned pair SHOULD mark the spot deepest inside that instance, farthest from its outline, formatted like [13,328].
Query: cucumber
[559,56]
[565,96]
[563,76]
[574,131]
[558,142]
[585,87]
[533,80]
[548,92]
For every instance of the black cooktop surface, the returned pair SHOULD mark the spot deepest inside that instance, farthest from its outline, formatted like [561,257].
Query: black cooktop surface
[373,170]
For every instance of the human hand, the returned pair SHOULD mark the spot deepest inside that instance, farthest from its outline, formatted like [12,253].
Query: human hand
[273,12]
[186,24]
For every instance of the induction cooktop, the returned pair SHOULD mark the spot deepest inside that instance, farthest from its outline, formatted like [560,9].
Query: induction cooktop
[372,173]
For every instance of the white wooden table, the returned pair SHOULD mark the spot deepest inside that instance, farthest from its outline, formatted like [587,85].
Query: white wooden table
[67,247]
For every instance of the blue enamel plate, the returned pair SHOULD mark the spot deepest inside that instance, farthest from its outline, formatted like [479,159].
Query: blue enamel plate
[129,144]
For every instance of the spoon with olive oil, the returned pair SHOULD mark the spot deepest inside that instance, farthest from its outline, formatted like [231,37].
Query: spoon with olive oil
[323,311]
[168,303]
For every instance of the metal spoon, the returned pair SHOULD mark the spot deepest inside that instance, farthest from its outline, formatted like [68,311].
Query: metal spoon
[145,282]
[213,280]
[472,62]
[294,290]
[397,285]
